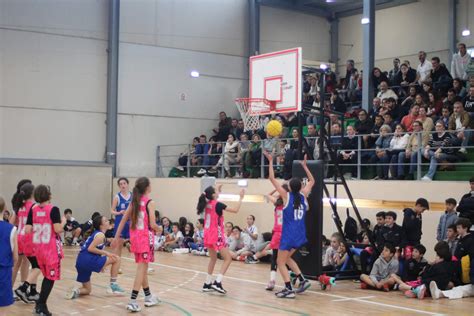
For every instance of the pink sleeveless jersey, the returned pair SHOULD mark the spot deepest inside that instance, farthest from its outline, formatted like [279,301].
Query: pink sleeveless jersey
[141,236]
[46,242]
[278,214]
[25,241]
[213,225]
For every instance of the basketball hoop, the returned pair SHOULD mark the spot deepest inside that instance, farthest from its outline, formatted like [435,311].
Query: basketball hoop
[251,109]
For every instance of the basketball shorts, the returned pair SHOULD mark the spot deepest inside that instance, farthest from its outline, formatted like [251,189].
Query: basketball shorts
[217,246]
[125,234]
[145,257]
[51,271]
[86,264]
[289,243]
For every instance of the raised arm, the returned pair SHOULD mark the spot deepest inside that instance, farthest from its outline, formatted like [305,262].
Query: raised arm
[236,209]
[271,177]
[307,189]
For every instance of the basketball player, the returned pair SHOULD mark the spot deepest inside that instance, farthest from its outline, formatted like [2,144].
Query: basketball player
[214,234]
[44,220]
[119,206]
[93,258]
[141,213]
[293,233]
[8,256]
[25,245]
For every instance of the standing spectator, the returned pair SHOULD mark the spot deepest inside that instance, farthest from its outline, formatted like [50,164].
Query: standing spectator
[348,153]
[349,71]
[378,77]
[440,76]
[468,103]
[385,92]
[311,139]
[382,157]
[452,238]
[201,155]
[447,219]
[466,205]
[412,150]
[393,73]
[460,62]
[412,219]
[398,144]
[458,87]
[408,120]
[459,122]
[223,129]
[424,68]
[439,149]
[312,118]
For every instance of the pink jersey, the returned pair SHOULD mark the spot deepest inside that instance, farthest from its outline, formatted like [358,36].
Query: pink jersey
[213,225]
[46,242]
[25,241]
[141,236]
[278,214]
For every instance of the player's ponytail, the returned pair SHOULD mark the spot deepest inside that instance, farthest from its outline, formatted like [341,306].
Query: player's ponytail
[26,192]
[139,190]
[17,201]
[204,198]
[295,186]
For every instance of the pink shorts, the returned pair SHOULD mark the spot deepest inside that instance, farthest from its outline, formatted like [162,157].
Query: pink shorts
[216,246]
[50,271]
[415,283]
[275,242]
[145,257]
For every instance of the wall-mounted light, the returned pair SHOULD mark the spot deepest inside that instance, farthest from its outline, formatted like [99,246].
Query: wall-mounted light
[323,66]
[365,21]
[466,32]
[195,74]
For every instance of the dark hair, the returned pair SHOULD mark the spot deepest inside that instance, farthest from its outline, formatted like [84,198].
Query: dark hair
[464,222]
[390,247]
[253,217]
[442,250]
[279,201]
[203,198]
[391,214]
[325,241]
[94,215]
[122,179]
[68,210]
[42,193]
[421,249]
[452,91]
[436,58]
[471,180]
[196,139]
[380,214]
[366,222]
[162,220]
[379,116]
[191,230]
[295,186]
[423,203]
[231,224]
[16,199]
[24,194]
[238,228]
[96,222]
[453,227]
[139,190]
[462,44]
[233,136]
[201,221]
[451,201]
[175,224]
[157,214]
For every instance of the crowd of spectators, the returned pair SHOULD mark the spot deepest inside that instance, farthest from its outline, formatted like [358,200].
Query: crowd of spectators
[434,106]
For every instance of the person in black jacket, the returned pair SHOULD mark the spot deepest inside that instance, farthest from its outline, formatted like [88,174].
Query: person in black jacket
[377,233]
[466,205]
[393,233]
[348,153]
[412,224]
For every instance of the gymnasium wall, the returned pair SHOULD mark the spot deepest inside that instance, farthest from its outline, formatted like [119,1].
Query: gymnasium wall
[177,197]
[282,29]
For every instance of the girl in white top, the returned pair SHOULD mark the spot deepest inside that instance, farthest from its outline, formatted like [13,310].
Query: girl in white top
[398,144]
[231,154]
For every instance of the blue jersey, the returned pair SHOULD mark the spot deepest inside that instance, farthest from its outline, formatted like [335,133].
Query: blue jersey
[293,234]
[122,205]
[88,262]
[85,246]
[6,251]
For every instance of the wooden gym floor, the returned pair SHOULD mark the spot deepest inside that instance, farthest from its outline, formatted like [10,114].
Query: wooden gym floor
[178,279]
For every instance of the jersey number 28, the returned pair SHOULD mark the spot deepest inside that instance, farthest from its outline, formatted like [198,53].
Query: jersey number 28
[41,233]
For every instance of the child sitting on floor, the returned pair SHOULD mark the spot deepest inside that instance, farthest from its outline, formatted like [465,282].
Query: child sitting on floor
[383,268]
[159,239]
[329,261]
[340,257]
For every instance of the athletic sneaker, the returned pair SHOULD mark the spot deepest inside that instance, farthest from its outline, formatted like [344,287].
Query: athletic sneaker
[32,298]
[207,287]
[421,292]
[251,259]
[16,298]
[303,286]
[386,288]
[270,286]
[22,295]
[410,294]
[133,307]
[114,288]
[201,172]
[151,300]
[435,291]
[42,310]
[72,293]
[285,293]
[217,286]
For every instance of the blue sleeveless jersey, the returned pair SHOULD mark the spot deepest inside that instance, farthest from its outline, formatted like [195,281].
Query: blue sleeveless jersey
[294,227]
[88,262]
[122,205]
[6,255]
[88,242]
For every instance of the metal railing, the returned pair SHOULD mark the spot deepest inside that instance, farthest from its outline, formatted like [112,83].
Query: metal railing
[195,162]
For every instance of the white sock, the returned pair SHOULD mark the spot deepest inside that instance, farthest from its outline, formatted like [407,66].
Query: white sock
[209,279]
[219,278]
[255,257]
[272,275]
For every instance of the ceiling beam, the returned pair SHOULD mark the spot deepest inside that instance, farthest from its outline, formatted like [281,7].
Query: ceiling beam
[383,5]
[295,6]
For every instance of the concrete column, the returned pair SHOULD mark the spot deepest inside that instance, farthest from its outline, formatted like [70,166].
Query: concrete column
[334,53]
[368,52]
[254,27]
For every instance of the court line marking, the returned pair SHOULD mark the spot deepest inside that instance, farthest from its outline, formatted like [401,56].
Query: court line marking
[351,299]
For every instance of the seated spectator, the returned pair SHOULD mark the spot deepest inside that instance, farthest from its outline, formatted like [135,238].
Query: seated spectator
[388,120]
[427,122]
[182,223]
[434,106]
[452,238]
[333,119]
[382,153]
[188,154]
[175,239]
[378,77]
[459,88]
[397,112]
[460,122]
[341,257]
[188,235]
[159,239]
[415,265]
[450,99]
[241,246]
[376,106]
[385,92]
[468,102]
[363,126]
[251,229]
[311,139]
[234,127]
[201,155]
[445,116]
[197,245]
[398,145]
[408,120]
[223,130]
[87,228]
[424,68]
[410,98]
[405,77]
[72,229]
[440,149]
[427,87]
[374,133]
[329,262]
[412,225]
[466,239]
[466,205]
[337,104]
[350,69]
[348,153]
[336,136]
[166,226]
[230,155]
[385,266]
[411,152]
[228,232]
[440,76]
[215,151]
[447,219]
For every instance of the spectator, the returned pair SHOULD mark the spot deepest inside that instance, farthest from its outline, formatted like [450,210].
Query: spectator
[230,156]
[378,77]
[393,233]
[398,112]
[398,144]
[381,156]
[363,126]
[412,219]
[411,152]
[447,219]
[450,99]
[348,153]
[166,226]
[452,238]
[374,133]
[424,68]
[72,229]
[188,235]
[440,76]
[349,71]
[197,246]
[251,159]
[159,239]
[313,119]
[459,122]
[445,116]
[458,87]
[376,106]
[439,149]
[329,257]
[240,129]
[409,119]
[368,253]
[175,239]
[427,122]
[385,92]
[394,72]
[405,77]
[336,138]
[337,104]
[251,228]
[234,126]
[434,106]
[224,127]
[466,239]
[388,120]
[460,62]
[466,205]
[311,139]
[415,265]
[215,150]
[468,103]
[383,268]
[426,88]
[410,99]
[201,155]
[241,246]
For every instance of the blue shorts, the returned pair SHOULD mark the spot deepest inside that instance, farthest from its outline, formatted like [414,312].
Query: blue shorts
[291,243]
[86,264]
[125,234]
[6,292]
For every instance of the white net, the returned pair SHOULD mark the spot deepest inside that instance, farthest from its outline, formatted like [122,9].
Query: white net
[250,111]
